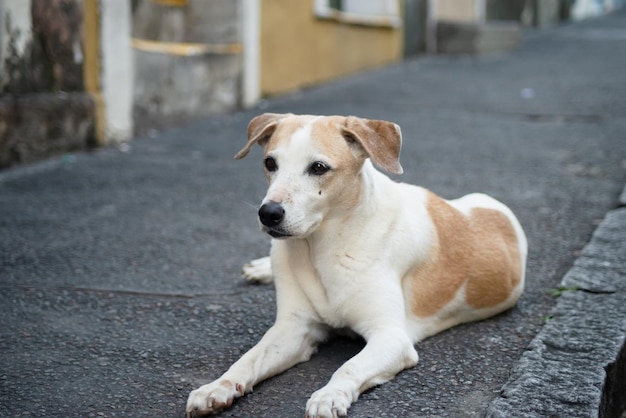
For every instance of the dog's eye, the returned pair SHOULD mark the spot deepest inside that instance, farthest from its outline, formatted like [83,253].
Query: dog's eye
[318,168]
[270,164]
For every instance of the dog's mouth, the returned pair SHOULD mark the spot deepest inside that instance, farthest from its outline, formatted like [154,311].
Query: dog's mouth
[275,233]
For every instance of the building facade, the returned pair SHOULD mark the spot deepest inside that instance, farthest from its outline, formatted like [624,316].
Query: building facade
[81,73]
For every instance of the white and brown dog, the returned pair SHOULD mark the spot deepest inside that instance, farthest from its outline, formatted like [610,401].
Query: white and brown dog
[354,249]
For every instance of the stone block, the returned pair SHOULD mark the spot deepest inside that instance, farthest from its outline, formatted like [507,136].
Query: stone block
[477,38]
[174,88]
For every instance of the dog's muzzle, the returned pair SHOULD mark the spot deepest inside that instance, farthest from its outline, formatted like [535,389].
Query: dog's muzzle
[271,215]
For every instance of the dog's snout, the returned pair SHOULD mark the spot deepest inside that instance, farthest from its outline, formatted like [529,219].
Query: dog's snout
[271,213]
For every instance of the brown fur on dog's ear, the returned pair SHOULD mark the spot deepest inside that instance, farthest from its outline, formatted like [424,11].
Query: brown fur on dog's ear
[380,139]
[260,129]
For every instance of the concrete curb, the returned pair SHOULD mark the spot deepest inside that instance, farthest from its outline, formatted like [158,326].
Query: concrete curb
[563,370]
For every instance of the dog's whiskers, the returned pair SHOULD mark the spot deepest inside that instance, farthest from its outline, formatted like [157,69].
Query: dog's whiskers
[252,205]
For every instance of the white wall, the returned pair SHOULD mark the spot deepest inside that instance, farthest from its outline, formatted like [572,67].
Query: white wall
[251,40]
[116,69]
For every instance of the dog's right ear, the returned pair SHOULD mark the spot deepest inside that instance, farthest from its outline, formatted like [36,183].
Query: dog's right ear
[260,129]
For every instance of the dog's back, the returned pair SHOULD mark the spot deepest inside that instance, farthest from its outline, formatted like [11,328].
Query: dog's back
[475,267]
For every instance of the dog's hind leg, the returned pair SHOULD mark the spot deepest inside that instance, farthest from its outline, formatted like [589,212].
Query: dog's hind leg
[258,271]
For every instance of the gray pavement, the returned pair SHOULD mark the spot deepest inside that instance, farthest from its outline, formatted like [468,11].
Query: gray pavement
[120,285]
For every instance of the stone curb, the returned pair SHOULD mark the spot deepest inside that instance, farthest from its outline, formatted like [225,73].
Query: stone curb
[563,369]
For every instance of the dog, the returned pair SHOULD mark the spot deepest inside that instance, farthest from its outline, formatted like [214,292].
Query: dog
[354,249]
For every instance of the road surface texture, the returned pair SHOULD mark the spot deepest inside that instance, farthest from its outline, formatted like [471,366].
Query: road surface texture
[120,286]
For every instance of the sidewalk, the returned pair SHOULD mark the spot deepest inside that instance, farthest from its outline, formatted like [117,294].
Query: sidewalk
[120,287]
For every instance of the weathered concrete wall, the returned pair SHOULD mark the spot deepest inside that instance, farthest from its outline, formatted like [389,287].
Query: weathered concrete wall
[43,108]
[65,76]
[15,42]
[41,46]
[37,126]
[188,61]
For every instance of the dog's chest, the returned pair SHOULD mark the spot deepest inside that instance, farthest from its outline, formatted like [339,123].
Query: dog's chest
[336,286]
[331,295]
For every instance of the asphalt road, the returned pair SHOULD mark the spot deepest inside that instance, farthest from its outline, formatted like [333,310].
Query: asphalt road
[120,287]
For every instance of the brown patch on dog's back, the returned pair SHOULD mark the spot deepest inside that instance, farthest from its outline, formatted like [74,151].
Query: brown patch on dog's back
[501,261]
[480,249]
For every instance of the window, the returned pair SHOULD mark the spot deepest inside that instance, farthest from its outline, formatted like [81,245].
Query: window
[360,12]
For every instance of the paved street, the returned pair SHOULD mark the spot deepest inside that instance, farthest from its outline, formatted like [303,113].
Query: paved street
[120,286]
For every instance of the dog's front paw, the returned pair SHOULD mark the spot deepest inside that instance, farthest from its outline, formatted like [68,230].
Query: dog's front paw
[212,398]
[328,403]
[258,271]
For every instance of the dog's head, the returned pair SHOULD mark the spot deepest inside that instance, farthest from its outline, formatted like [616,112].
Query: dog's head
[313,166]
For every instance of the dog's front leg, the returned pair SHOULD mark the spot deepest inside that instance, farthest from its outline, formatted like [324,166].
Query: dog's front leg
[385,354]
[288,342]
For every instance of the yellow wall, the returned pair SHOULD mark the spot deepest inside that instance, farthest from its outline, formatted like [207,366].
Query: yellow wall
[300,49]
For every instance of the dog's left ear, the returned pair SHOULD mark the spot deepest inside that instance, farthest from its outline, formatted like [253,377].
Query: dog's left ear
[260,129]
[380,139]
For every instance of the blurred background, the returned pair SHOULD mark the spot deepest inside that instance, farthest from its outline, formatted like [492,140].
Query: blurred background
[77,74]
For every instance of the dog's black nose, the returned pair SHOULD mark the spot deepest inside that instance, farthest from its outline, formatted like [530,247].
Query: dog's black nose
[271,213]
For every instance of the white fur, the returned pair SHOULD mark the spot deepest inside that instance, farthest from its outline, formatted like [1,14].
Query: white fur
[259,270]
[344,270]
